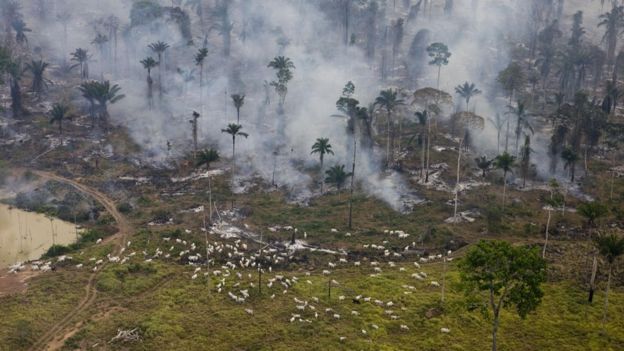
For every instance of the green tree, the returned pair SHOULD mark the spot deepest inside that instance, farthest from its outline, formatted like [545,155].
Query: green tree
[337,176]
[58,114]
[234,130]
[496,275]
[322,147]
[440,55]
[206,157]
[613,21]
[512,79]
[483,164]
[504,162]
[37,69]
[522,121]
[102,93]
[238,100]
[388,100]
[570,157]
[611,247]
[81,57]
[592,211]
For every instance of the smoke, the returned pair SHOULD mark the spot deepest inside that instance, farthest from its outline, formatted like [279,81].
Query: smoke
[311,34]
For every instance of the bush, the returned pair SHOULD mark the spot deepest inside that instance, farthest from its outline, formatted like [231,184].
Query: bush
[57,250]
[124,208]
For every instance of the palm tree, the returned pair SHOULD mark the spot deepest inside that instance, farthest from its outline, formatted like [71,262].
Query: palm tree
[498,123]
[149,63]
[206,157]
[234,130]
[611,247]
[64,18]
[20,28]
[592,211]
[570,157]
[522,120]
[238,100]
[322,147]
[81,56]
[200,57]
[613,21]
[103,93]
[100,40]
[389,101]
[484,164]
[58,114]
[467,91]
[37,68]
[336,175]
[504,162]
[159,48]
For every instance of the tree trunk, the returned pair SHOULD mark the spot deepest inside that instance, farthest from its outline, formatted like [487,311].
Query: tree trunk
[546,241]
[592,280]
[388,142]
[606,305]
[457,182]
[322,176]
[428,149]
[504,188]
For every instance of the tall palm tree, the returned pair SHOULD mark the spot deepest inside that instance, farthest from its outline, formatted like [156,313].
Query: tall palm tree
[504,162]
[613,21]
[159,48]
[337,176]
[467,91]
[149,63]
[322,147]
[388,100]
[200,57]
[58,114]
[522,120]
[64,18]
[81,56]
[570,157]
[498,123]
[37,68]
[611,247]
[206,157]
[238,100]
[234,130]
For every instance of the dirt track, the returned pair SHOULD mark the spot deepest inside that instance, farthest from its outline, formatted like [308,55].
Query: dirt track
[55,337]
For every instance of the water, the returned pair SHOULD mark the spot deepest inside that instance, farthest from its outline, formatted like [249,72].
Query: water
[26,235]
